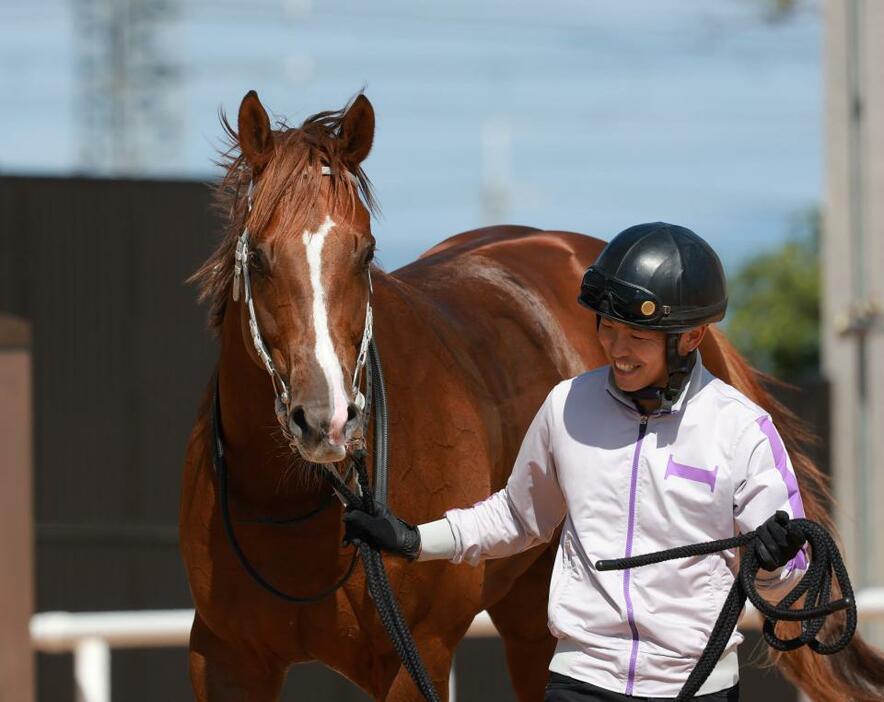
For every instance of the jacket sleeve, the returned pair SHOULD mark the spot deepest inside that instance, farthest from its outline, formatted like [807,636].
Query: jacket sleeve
[768,484]
[524,513]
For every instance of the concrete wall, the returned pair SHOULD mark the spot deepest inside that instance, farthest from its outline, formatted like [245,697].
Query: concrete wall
[853,259]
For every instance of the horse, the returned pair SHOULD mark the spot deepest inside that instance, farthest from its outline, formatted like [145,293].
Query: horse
[472,335]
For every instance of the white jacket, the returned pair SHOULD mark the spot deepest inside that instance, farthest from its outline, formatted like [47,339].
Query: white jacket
[627,484]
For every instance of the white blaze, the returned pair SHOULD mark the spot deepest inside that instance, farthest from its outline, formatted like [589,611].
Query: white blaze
[325,350]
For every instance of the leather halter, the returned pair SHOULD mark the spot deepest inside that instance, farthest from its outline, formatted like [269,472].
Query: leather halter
[242,277]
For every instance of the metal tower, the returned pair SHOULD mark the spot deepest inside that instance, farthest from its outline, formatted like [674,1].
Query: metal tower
[128,73]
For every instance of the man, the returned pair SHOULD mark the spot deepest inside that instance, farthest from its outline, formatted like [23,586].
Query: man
[647,453]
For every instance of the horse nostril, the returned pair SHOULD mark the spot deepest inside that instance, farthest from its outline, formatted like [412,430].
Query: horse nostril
[351,412]
[298,421]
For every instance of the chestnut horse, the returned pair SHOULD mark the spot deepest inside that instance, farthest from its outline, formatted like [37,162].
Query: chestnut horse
[472,337]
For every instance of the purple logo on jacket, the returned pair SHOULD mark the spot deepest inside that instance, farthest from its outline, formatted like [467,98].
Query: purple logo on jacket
[698,475]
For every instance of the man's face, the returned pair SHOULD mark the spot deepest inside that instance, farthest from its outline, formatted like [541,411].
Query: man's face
[637,356]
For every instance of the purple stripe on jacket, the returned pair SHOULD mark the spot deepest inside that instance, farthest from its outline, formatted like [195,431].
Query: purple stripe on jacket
[781,463]
[630,529]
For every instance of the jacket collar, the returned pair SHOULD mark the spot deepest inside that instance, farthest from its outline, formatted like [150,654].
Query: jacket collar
[688,391]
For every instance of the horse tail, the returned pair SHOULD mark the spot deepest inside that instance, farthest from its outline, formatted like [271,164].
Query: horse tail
[857,672]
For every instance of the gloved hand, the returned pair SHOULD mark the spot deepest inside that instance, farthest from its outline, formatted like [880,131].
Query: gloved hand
[383,530]
[777,541]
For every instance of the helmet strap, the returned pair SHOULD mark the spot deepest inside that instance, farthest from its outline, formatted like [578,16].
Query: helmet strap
[679,368]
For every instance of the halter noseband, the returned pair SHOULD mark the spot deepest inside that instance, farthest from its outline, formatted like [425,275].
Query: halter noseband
[241,275]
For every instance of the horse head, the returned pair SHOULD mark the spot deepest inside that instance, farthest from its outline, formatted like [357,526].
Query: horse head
[303,267]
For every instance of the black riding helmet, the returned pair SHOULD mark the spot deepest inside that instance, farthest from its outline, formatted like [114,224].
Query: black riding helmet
[661,277]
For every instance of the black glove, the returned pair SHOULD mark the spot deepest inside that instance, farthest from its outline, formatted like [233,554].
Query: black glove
[383,530]
[777,541]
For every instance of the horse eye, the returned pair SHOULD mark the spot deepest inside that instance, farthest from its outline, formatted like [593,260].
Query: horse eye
[258,263]
[369,256]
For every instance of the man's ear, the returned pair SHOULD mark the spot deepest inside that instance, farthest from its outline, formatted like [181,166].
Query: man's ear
[691,339]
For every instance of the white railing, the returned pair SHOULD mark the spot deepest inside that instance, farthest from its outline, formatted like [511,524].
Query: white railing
[90,636]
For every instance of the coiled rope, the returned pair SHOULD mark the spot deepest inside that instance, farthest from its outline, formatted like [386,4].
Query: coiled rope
[815,586]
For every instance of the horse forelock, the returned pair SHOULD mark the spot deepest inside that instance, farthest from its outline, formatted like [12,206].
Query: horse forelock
[288,189]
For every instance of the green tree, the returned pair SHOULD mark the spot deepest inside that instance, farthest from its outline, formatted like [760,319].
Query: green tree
[774,316]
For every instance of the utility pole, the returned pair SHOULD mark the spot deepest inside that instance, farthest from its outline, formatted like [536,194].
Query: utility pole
[127,75]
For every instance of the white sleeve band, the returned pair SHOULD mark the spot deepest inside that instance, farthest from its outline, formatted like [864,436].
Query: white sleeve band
[437,541]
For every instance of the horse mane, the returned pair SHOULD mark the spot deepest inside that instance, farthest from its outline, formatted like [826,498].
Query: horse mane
[292,178]
[857,673]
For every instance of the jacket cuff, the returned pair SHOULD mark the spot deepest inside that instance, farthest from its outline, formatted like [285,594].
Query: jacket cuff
[437,541]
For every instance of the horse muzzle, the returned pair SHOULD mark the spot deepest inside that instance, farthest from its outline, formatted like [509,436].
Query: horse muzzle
[319,436]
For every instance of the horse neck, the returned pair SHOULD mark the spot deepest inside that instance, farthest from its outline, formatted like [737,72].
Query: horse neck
[265,474]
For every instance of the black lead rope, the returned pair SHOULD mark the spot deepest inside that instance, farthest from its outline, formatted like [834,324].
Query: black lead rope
[816,585]
[376,575]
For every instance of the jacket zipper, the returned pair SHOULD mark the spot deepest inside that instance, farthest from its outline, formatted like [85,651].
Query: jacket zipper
[630,617]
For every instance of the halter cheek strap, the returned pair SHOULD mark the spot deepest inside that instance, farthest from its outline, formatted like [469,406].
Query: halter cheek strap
[241,278]
[362,357]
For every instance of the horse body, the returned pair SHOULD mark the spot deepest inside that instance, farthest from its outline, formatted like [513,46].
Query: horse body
[472,336]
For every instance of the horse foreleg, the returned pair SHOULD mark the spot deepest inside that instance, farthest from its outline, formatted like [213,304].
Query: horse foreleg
[521,619]
[437,661]
[221,672]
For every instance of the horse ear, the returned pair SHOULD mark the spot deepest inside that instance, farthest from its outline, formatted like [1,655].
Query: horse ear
[357,131]
[254,133]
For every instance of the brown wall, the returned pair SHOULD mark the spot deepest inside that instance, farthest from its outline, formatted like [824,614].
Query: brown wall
[120,357]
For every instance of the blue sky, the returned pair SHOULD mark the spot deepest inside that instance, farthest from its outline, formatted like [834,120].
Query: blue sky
[584,115]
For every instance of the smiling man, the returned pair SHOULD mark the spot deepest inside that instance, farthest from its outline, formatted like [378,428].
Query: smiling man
[645,454]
